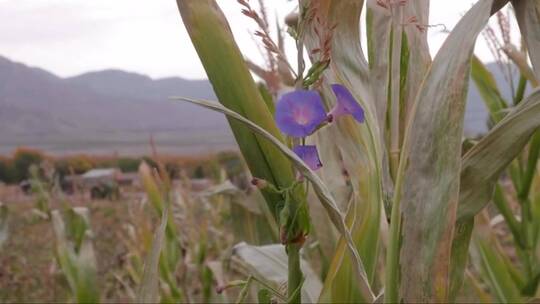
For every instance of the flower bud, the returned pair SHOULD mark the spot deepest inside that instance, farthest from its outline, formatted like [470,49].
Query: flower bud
[259,183]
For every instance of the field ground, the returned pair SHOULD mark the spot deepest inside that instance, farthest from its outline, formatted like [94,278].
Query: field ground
[121,231]
[28,271]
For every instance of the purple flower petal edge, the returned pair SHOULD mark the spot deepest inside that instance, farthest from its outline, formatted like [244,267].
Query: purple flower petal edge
[346,104]
[309,155]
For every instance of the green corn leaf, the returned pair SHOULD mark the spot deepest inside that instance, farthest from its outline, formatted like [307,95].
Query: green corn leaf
[366,153]
[359,149]
[491,261]
[267,97]
[340,284]
[427,187]
[504,208]
[378,38]
[378,28]
[392,49]
[520,91]
[149,289]
[499,278]
[78,266]
[325,196]
[253,222]
[4,217]
[481,168]
[363,205]
[419,58]
[528,17]
[236,90]
[170,254]
[323,231]
[87,290]
[483,164]
[460,255]
[531,168]
[170,248]
[77,226]
[264,296]
[488,89]
[472,283]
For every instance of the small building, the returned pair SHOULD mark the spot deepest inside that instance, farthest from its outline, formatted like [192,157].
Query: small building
[101,175]
[103,183]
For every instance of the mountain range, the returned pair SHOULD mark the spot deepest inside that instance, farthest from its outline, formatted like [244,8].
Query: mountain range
[105,112]
[114,111]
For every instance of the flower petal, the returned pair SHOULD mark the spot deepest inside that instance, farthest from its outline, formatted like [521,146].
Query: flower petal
[299,113]
[309,155]
[346,104]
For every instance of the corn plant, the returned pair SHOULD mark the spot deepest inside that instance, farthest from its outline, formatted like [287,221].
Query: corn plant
[389,125]
[165,252]
[508,279]
[41,188]
[4,228]
[74,249]
[173,263]
[75,253]
[249,216]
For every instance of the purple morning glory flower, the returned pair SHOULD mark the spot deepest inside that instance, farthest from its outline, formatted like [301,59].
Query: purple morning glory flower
[346,104]
[309,155]
[299,113]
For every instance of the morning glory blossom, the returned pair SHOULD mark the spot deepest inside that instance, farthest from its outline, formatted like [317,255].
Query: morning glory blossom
[299,113]
[346,104]
[309,155]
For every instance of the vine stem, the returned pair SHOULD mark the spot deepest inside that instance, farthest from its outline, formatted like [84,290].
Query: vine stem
[295,274]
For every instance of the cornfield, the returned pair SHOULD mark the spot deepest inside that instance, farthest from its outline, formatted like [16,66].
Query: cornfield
[363,185]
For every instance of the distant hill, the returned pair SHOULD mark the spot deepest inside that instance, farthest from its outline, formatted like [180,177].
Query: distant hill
[117,111]
[105,112]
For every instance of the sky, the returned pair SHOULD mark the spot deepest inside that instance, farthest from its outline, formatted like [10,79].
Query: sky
[70,37]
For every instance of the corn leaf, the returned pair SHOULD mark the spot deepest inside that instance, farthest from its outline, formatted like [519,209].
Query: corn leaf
[481,168]
[483,164]
[252,222]
[363,206]
[4,217]
[427,188]
[326,235]
[419,58]
[489,259]
[360,150]
[488,89]
[392,49]
[528,17]
[378,29]
[149,289]
[495,270]
[269,263]
[78,264]
[236,90]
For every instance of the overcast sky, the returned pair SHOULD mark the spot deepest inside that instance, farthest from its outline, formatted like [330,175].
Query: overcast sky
[69,37]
